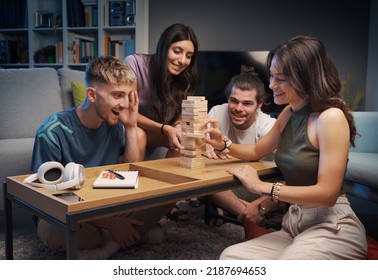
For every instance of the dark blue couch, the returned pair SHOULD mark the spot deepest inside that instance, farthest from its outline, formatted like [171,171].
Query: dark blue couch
[361,182]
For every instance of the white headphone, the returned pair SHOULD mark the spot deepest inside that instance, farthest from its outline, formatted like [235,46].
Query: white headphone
[53,176]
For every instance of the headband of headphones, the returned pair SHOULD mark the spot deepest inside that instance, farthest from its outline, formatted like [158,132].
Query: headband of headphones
[53,176]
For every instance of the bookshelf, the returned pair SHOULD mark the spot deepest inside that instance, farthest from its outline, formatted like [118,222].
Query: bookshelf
[68,33]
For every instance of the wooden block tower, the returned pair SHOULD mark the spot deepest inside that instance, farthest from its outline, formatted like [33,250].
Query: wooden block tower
[194,112]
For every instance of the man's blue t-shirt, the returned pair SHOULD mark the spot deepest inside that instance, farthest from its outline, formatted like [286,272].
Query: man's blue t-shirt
[63,138]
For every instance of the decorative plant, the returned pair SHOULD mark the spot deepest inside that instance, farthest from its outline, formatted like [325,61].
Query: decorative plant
[49,50]
[45,55]
[353,100]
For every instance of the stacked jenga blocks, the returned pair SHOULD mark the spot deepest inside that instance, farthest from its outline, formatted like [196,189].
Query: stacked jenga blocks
[194,113]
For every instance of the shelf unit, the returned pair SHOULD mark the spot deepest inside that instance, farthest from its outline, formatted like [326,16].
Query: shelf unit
[48,27]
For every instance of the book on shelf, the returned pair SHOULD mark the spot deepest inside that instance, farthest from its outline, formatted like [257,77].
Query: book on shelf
[118,46]
[75,13]
[105,15]
[106,44]
[5,51]
[84,37]
[13,14]
[81,48]
[90,12]
[12,51]
[59,52]
[130,46]
[119,50]
[89,2]
[117,179]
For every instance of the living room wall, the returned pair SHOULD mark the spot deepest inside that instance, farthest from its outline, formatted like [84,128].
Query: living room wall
[243,25]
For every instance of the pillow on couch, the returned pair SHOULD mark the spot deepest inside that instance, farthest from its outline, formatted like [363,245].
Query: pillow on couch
[78,92]
[28,96]
[65,77]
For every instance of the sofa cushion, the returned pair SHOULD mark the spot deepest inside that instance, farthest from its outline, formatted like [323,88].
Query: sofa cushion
[15,157]
[367,127]
[78,92]
[363,168]
[28,96]
[65,77]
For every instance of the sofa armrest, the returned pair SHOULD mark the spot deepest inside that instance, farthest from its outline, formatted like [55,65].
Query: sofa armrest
[367,127]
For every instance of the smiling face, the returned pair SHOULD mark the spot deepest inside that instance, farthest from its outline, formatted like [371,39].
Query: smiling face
[242,107]
[283,92]
[179,56]
[110,100]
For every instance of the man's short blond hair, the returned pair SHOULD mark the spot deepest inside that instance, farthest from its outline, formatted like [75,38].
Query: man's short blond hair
[109,70]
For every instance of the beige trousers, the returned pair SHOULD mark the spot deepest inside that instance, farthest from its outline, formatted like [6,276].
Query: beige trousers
[308,233]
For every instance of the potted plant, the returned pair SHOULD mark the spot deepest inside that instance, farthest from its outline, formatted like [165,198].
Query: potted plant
[49,52]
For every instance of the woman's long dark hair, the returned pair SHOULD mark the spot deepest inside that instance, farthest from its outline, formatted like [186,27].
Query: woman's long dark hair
[308,69]
[168,91]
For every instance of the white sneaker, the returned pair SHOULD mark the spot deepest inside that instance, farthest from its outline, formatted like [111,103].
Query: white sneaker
[153,236]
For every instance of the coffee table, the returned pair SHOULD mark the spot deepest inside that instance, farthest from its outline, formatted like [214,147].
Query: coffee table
[161,181]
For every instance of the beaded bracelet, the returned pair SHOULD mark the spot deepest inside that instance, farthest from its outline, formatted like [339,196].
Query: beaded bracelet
[276,188]
[274,191]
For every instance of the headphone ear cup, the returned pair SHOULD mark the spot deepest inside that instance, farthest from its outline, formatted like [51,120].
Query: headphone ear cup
[49,174]
[53,176]
[73,177]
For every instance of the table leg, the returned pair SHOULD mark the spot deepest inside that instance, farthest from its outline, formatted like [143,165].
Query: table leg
[8,224]
[207,210]
[71,223]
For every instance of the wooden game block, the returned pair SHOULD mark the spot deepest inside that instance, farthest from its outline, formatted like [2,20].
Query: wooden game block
[191,118]
[195,97]
[194,135]
[192,163]
[191,153]
[191,130]
[193,125]
[193,114]
[192,141]
[193,144]
[193,111]
[194,104]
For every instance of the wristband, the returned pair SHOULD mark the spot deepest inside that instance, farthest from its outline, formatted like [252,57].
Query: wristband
[226,147]
[161,129]
[276,188]
[274,191]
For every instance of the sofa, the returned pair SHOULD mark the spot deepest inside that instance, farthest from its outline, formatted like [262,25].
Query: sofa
[27,97]
[361,183]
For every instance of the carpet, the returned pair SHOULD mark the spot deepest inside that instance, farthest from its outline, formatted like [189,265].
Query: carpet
[191,240]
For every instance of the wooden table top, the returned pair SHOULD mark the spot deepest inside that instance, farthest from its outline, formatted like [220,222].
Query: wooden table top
[157,178]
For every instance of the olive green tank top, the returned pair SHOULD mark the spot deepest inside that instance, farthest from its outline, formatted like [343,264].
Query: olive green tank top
[296,157]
